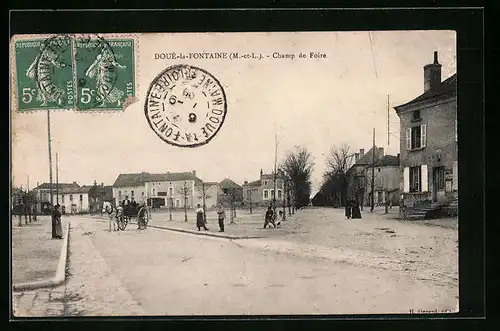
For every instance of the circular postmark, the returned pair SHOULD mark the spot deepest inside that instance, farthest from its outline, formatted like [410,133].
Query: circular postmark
[50,71]
[185,106]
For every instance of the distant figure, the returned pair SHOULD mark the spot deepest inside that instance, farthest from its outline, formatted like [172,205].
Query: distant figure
[58,224]
[269,218]
[200,220]
[348,208]
[221,215]
[280,218]
[356,213]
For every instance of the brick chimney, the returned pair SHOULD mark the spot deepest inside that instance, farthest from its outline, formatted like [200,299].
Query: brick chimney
[432,74]
[380,152]
[361,152]
[102,184]
[245,182]
[194,172]
[261,172]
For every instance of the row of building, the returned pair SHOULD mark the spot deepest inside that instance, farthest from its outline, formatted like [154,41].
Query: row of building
[424,175]
[160,190]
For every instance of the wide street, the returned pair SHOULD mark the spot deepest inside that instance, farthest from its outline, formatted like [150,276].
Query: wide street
[317,263]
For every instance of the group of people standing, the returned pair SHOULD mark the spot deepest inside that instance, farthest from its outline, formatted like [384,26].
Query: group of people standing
[201,221]
[352,209]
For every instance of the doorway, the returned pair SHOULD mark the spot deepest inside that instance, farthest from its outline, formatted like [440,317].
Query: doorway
[438,182]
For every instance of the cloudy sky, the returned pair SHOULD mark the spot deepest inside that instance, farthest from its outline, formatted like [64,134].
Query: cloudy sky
[316,103]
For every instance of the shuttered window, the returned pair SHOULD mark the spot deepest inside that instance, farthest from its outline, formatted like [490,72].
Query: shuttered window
[456,130]
[406,180]
[408,139]
[416,137]
[424,178]
[415,179]
[455,176]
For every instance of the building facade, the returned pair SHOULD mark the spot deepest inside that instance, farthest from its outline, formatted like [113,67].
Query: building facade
[260,192]
[74,200]
[230,192]
[212,194]
[386,181]
[429,143]
[359,185]
[43,195]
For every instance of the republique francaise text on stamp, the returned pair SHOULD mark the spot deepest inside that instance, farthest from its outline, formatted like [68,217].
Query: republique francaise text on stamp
[73,72]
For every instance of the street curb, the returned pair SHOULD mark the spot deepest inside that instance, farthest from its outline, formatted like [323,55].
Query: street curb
[60,276]
[202,233]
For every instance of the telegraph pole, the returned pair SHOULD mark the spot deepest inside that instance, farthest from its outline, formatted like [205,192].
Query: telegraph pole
[57,179]
[204,203]
[388,130]
[372,202]
[50,174]
[274,173]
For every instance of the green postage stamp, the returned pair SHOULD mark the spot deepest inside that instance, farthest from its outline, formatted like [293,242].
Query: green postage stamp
[73,72]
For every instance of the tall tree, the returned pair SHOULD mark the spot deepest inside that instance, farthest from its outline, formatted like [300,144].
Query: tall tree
[184,191]
[297,167]
[336,176]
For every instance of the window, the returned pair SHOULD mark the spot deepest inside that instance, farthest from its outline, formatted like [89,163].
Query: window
[272,194]
[177,203]
[120,194]
[416,137]
[455,176]
[71,197]
[265,183]
[266,194]
[249,193]
[62,198]
[142,193]
[378,169]
[154,192]
[279,194]
[439,178]
[81,198]
[415,179]
[169,191]
[416,115]
[132,193]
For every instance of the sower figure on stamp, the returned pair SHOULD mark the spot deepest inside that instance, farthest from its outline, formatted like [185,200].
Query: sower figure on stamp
[200,220]
[221,215]
[100,69]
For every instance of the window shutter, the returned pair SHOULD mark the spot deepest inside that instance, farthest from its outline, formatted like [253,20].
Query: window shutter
[455,176]
[424,178]
[456,130]
[408,139]
[423,135]
[406,180]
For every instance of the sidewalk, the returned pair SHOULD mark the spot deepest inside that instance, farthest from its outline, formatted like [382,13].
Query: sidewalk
[35,255]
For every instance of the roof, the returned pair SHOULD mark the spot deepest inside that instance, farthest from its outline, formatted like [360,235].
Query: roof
[448,87]
[211,183]
[139,179]
[254,183]
[367,157]
[75,190]
[46,186]
[388,160]
[228,183]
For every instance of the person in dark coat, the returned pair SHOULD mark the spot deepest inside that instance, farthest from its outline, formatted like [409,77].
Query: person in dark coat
[56,215]
[348,208]
[221,215]
[356,212]
[269,218]
[200,220]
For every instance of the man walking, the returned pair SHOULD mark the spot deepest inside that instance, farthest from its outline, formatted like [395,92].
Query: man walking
[221,215]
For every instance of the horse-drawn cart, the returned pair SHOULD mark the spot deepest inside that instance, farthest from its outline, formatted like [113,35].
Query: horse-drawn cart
[127,213]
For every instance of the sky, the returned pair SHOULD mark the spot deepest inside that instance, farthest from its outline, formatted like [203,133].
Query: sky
[315,103]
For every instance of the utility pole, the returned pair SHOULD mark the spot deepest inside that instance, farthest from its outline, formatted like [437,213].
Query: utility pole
[388,130]
[250,198]
[28,199]
[204,202]
[185,202]
[274,173]
[57,179]
[372,202]
[283,195]
[50,174]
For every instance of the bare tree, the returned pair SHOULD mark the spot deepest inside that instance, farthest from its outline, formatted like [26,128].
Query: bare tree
[184,191]
[297,168]
[336,177]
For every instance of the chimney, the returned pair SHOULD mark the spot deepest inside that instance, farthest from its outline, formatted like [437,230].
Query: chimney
[95,182]
[432,74]
[102,184]
[380,152]
[261,172]
[194,172]
[361,152]
[245,182]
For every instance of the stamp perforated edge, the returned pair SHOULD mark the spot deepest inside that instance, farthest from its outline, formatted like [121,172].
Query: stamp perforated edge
[14,106]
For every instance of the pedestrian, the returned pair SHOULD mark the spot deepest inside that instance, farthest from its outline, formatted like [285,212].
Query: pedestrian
[221,215]
[280,218]
[58,224]
[348,208]
[269,218]
[356,213]
[200,220]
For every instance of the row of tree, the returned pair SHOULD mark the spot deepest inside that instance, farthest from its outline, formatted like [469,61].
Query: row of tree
[24,204]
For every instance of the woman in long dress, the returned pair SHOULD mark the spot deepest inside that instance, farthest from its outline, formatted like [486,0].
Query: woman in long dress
[356,212]
[200,220]
[57,219]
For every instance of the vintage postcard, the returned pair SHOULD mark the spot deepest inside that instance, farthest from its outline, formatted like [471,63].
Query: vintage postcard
[273,173]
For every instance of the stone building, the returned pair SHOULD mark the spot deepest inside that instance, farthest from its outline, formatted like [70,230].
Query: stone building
[260,192]
[429,145]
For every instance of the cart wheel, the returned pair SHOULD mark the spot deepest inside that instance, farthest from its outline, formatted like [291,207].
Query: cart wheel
[142,218]
[121,223]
